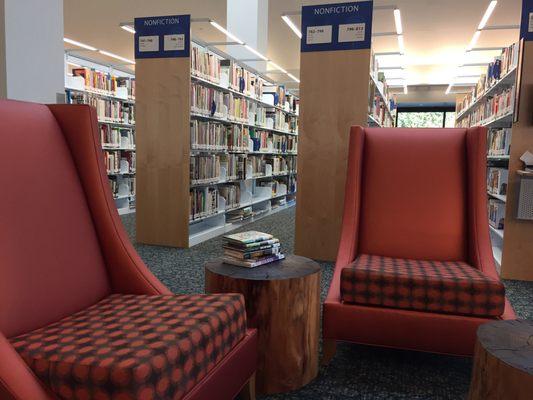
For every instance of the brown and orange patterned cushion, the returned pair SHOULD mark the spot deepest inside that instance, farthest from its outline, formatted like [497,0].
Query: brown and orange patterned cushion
[135,347]
[436,286]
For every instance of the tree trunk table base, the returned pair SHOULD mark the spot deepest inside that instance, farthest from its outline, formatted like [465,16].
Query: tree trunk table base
[283,303]
[503,361]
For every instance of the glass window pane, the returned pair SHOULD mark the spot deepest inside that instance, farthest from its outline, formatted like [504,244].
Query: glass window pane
[450,120]
[420,119]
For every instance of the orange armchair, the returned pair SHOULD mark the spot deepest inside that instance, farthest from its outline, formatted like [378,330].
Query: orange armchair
[80,314]
[414,268]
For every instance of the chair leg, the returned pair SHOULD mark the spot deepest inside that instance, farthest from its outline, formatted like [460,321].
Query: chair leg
[248,391]
[329,348]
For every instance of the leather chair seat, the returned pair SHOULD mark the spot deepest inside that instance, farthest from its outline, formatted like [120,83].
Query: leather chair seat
[135,346]
[453,287]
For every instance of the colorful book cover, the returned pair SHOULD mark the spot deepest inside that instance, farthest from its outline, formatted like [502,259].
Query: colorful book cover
[248,237]
[253,262]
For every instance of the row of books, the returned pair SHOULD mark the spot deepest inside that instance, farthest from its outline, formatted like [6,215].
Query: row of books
[117,137]
[499,142]
[205,64]
[496,211]
[251,249]
[243,80]
[498,68]
[103,82]
[207,135]
[231,193]
[203,202]
[206,168]
[497,179]
[120,162]
[107,110]
[499,105]
[122,186]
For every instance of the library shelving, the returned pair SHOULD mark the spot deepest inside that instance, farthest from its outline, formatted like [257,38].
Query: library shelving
[238,143]
[491,103]
[382,104]
[113,96]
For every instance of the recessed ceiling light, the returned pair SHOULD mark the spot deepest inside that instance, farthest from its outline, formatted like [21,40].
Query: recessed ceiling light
[262,57]
[107,53]
[292,25]
[398,21]
[488,13]
[79,44]
[276,66]
[128,28]
[226,32]
[293,77]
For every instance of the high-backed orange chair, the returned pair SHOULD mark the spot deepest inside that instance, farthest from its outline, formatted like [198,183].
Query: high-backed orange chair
[80,314]
[414,268]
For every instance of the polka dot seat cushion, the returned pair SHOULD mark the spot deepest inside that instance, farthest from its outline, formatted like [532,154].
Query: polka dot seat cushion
[437,286]
[135,347]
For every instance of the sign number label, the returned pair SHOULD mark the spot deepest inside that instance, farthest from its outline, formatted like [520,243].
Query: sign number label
[530,22]
[319,34]
[174,42]
[352,32]
[148,43]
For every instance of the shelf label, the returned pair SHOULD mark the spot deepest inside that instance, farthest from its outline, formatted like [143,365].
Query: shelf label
[162,37]
[340,26]
[318,34]
[526,26]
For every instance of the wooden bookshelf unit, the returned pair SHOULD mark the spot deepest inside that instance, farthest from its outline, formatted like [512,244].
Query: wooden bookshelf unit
[217,147]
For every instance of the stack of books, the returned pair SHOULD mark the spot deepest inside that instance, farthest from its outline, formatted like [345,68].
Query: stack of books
[251,249]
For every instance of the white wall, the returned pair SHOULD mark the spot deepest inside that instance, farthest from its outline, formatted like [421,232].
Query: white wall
[31,34]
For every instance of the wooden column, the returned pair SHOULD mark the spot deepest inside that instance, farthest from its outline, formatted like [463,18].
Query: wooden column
[517,262]
[333,97]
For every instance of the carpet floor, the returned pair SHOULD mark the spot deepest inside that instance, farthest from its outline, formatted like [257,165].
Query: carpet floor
[356,372]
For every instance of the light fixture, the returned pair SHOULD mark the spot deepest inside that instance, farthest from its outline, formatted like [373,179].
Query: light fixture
[293,77]
[449,88]
[291,24]
[486,16]
[107,53]
[79,44]
[405,89]
[249,48]
[128,28]
[398,21]
[276,66]
[401,44]
[474,40]
[73,64]
[226,32]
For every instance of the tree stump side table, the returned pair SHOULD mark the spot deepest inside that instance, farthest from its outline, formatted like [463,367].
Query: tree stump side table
[283,303]
[503,361]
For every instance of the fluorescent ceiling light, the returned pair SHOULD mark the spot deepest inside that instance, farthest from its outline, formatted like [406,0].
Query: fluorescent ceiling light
[293,77]
[128,28]
[262,57]
[79,44]
[449,88]
[228,34]
[276,66]
[291,24]
[398,21]
[401,44]
[486,16]
[107,53]
[474,40]
[405,89]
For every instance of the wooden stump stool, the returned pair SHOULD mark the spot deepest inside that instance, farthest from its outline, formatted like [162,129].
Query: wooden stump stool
[503,361]
[283,303]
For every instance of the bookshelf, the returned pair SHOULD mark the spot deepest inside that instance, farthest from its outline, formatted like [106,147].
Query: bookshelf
[112,93]
[491,103]
[381,104]
[226,143]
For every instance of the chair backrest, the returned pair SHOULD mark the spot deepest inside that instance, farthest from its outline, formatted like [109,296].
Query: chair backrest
[414,194]
[51,264]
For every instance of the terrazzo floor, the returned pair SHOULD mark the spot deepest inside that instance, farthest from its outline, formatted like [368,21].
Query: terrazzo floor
[356,372]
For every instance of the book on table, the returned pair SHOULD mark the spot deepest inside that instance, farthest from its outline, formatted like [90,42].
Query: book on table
[251,249]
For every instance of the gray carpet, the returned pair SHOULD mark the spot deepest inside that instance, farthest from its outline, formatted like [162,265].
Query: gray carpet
[356,372]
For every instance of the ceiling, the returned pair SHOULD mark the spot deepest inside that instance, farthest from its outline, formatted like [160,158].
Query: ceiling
[436,32]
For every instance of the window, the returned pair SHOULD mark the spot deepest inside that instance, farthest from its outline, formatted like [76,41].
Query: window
[425,117]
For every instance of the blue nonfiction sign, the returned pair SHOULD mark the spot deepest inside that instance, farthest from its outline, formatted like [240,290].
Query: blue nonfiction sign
[163,37]
[526,26]
[340,26]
